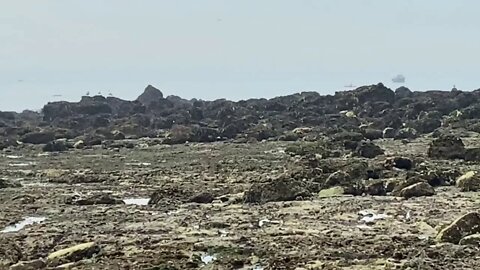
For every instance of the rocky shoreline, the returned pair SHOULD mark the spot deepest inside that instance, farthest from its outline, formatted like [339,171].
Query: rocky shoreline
[365,179]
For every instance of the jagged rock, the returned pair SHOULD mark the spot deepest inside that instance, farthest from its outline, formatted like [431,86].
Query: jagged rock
[204,197]
[447,147]
[471,240]
[417,190]
[149,95]
[73,254]
[472,154]
[389,133]
[399,163]
[466,225]
[38,137]
[283,188]
[399,185]
[368,150]
[469,181]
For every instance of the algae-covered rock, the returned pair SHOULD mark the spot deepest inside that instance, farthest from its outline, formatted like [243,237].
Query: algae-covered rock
[417,190]
[464,226]
[470,181]
[73,254]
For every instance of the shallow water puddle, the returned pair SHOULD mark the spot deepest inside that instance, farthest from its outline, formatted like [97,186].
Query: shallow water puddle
[206,258]
[20,225]
[136,201]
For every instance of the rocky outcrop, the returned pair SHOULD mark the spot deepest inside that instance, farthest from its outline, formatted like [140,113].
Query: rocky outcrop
[348,116]
[150,95]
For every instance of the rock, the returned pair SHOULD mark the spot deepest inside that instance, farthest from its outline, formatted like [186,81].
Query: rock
[471,240]
[10,252]
[372,134]
[373,93]
[417,190]
[38,137]
[338,178]
[289,137]
[283,188]
[375,188]
[348,136]
[4,183]
[117,135]
[466,225]
[79,144]
[441,177]
[149,95]
[399,184]
[73,254]
[95,199]
[178,134]
[369,150]
[447,147]
[406,133]
[389,133]
[469,181]
[403,92]
[203,197]
[472,154]
[55,146]
[29,265]
[331,192]
[427,125]
[399,163]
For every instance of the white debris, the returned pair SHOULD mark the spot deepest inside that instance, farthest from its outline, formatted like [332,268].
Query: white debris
[370,217]
[136,201]
[207,259]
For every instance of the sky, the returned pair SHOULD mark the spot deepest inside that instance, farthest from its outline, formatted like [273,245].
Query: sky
[239,49]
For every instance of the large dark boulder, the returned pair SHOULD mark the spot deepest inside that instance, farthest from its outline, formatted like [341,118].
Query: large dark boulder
[38,137]
[283,188]
[151,94]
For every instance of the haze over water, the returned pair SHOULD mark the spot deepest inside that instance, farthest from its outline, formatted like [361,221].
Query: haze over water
[213,49]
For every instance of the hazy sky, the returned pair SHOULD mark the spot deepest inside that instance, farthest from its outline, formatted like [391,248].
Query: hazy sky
[235,49]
